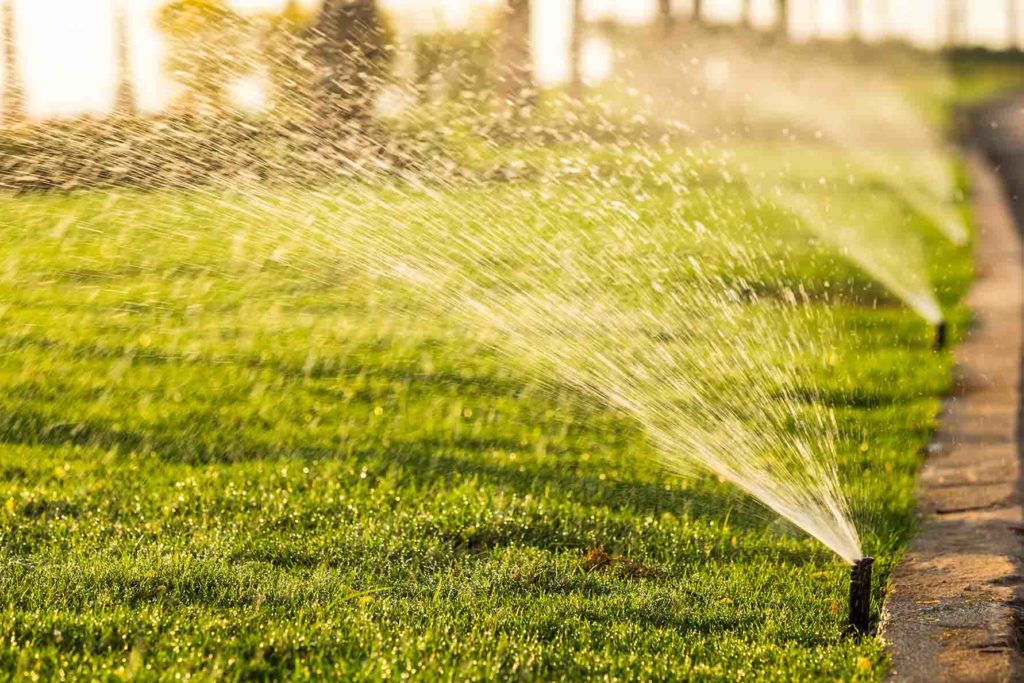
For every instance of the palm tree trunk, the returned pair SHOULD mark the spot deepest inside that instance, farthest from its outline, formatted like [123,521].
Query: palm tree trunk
[698,10]
[347,44]
[665,17]
[854,18]
[745,13]
[782,16]
[886,19]
[1013,24]
[14,88]
[954,19]
[124,99]
[576,51]
[517,63]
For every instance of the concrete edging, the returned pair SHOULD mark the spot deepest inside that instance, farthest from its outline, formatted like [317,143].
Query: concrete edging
[951,611]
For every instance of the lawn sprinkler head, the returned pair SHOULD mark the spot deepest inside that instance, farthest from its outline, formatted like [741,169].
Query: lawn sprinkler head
[941,336]
[860,595]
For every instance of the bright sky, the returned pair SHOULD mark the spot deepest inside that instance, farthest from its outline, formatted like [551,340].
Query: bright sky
[66,46]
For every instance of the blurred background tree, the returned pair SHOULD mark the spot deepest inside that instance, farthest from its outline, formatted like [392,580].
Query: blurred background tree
[665,16]
[1013,22]
[14,88]
[576,85]
[205,42]
[854,17]
[517,82]
[124,97]
[285,53]
[351,51]
[956,13]
[454,64]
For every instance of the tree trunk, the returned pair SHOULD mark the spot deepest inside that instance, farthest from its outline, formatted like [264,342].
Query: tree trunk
[14,89]
[576,50]
[1013,24]
[698,10]
[665,17]
[124,98]
[853,18]
[517,63]
[348,51]
[290,74]
[954,19]
[782,16]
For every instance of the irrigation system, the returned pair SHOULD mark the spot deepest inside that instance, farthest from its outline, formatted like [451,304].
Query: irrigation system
[941,336]
[860,596]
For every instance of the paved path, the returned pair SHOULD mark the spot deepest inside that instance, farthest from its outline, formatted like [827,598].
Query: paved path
[952,610]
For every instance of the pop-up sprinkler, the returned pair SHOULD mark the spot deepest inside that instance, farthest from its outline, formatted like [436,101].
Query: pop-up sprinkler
[860,595]
[941,336]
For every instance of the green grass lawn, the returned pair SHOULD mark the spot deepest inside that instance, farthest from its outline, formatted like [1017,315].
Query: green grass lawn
[216,464]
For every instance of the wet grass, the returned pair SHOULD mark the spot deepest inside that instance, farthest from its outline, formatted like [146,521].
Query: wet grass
[214,462]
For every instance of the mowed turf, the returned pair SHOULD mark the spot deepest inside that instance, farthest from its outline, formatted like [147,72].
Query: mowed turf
[226,454]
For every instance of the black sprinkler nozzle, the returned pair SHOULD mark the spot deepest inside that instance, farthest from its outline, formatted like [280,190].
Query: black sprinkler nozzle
[941,336]
[860,596]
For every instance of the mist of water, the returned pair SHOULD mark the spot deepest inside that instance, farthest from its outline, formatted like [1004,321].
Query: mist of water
[579,287]
[891,256]
[872,127]
[590,245]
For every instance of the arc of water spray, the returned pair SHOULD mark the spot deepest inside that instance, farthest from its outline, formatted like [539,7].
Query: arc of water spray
[908,283]
[689,363]
[854,139]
